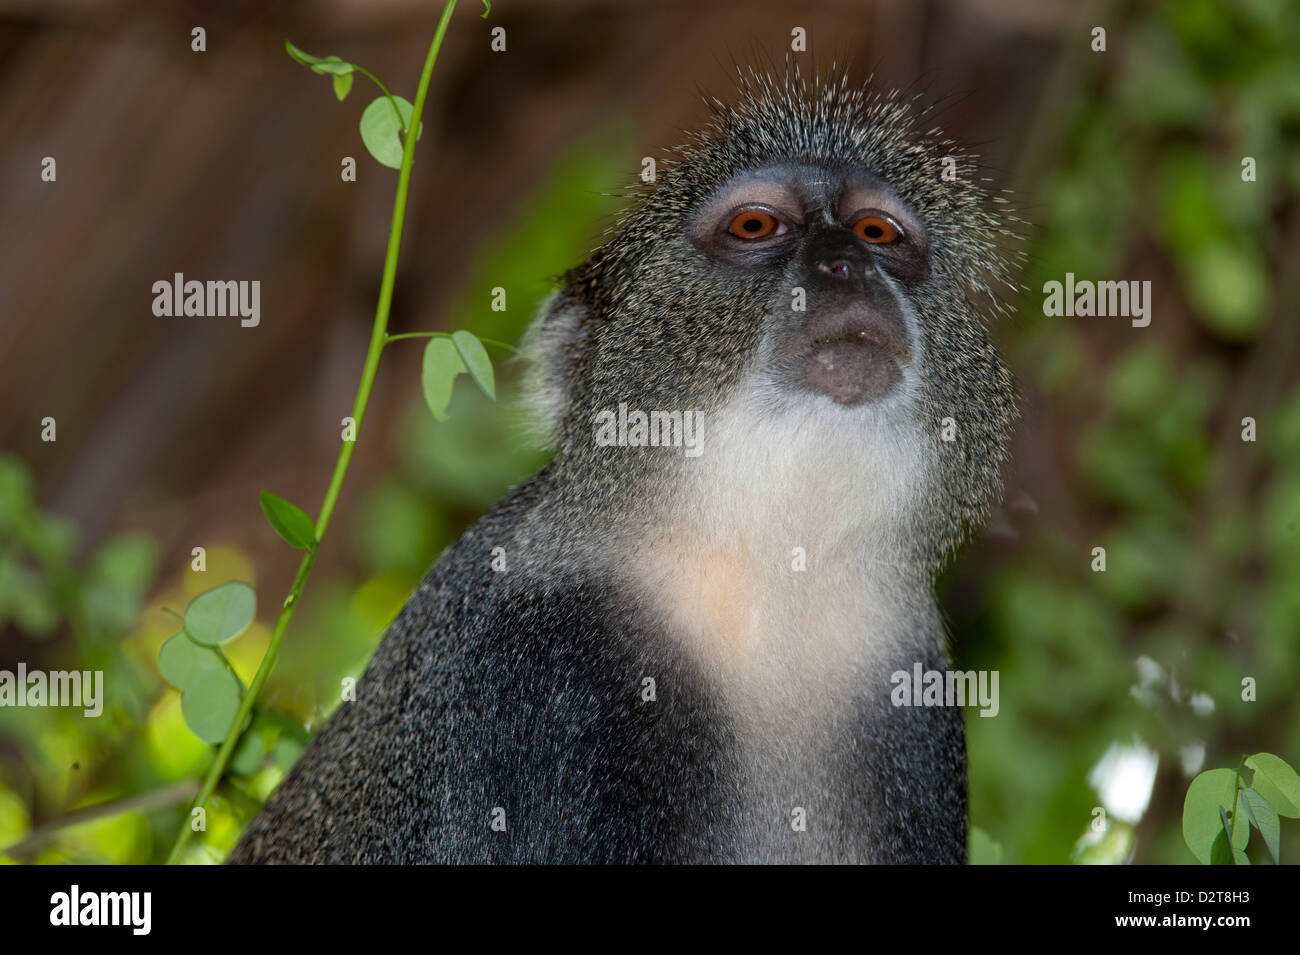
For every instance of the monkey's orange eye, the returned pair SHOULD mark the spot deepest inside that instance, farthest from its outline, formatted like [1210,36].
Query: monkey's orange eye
[877,229]
[754,224]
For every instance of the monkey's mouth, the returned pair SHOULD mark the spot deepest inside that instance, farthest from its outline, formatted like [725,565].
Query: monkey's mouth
[856,363]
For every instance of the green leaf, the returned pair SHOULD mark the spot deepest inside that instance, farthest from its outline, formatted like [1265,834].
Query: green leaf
[1209,792]
[289,520]
[209,704]
[1219,852]
[334,65]
[286,752]
[306,59]
[180,660]
[982,849]
[342,85]
[476,360]
[1277,782]
[221,614]
[442,363]
[381,132]
[1230,286]
[487,8]
[1264,818]
[250,752]
[264,733]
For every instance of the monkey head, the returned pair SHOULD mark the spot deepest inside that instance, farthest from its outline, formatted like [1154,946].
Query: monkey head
[807,273]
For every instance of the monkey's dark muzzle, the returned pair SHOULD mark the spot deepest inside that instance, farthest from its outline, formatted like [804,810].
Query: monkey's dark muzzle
[851,344]
[857,362]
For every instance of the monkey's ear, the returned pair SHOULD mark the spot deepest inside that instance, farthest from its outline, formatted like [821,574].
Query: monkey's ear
[552,346]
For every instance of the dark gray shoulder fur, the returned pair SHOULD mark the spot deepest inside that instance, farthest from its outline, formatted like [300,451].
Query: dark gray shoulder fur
[484,695]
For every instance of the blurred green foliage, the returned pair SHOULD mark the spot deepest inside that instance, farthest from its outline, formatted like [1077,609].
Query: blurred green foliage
[1202,586]
[45,588]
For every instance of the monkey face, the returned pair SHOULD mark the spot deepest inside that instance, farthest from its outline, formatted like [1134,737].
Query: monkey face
[811,275]
[842,252]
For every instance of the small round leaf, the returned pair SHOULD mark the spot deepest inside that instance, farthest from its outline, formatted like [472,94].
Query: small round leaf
[476,360]
[381,131]
[289,520]
[221,614]
[442,363]
[209,704]
[180,660]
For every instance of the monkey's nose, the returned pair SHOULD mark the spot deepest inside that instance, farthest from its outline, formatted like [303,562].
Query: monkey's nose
[838,269]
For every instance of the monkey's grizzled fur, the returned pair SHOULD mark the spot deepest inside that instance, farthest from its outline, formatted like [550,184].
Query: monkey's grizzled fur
[524,691]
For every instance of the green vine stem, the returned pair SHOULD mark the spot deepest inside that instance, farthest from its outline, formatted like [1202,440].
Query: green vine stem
[378,338]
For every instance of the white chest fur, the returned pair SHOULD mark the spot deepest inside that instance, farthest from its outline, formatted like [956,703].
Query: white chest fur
[777,563]
[778,569]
